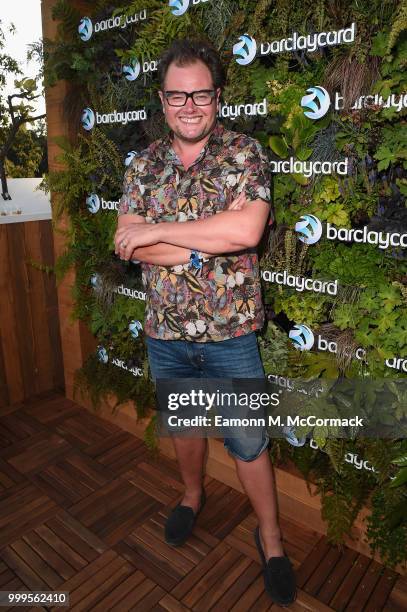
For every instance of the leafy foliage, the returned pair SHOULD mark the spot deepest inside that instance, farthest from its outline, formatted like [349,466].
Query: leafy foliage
[21,151]
[370,308]
[102,382]
[26,154]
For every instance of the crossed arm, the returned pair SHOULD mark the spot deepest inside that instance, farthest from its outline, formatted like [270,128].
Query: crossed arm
[169,244]
[160,254]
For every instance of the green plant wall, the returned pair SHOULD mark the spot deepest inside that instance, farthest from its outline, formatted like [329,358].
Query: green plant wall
[367,311]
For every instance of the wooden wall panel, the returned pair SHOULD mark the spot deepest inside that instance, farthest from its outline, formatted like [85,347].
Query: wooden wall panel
[76,340]
[42,358]
[4,392]
[51,304]
[8,324]
[24,325]
[30,346]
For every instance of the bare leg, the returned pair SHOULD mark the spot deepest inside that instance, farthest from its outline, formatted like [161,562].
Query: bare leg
[258,481]
[191,456]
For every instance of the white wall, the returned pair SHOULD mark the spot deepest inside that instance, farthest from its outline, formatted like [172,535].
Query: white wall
[27,203]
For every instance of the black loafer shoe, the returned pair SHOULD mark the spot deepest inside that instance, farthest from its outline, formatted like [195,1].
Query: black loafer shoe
[180,523]
[279,578]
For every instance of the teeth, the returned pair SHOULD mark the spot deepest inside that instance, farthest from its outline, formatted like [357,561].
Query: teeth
[190,120]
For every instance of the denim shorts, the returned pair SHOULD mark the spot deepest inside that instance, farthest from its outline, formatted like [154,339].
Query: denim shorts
[234,358]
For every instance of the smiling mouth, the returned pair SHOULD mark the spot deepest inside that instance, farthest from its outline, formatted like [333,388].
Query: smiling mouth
[190,120]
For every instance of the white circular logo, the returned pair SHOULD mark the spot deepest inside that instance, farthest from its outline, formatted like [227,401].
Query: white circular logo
[289,433]
[245,50]
[88,119]
[93,203]
[302,337]
[317,102]
[135,327]
[309,228]
[85,29]
[102,355]
[95,280]
[132,70]
[179,7]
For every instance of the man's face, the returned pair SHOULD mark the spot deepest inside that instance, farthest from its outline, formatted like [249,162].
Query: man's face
[190,123]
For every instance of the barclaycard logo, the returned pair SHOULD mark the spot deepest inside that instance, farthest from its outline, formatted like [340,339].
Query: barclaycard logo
[93,203]
[232,111]
[129,157]
[309,168]
[85,29]
[179,7]
[132,70]
[102,355]
[95,280]
[397,101]
[358,462]
[135,327]
[88,119]
[317,102]
[309,229]
[397,363]
[287,384]
[302,337]
[120,363]
[300,283]
[289,433]
[245,49]
[310,42]
[135,294]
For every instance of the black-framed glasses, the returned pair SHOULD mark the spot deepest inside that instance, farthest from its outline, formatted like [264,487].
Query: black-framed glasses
[203,97]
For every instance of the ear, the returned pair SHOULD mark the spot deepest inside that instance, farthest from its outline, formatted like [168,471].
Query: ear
[218,95]
[160,93]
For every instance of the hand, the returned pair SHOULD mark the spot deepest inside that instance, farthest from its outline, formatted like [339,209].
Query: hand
[238,203]
[134,236]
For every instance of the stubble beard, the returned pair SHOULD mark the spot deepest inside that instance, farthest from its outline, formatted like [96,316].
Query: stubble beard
[207,129]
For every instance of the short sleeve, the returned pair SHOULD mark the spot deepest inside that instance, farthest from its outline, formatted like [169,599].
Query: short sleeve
[256,179]
[132,200]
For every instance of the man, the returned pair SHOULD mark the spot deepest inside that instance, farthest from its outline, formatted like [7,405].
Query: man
[194,207]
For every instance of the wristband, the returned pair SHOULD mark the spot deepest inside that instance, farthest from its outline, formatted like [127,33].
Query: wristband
[196,260]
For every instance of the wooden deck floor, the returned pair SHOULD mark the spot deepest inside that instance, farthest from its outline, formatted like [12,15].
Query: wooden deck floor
[82,508]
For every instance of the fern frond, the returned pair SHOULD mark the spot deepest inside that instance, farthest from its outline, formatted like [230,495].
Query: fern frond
[68,17]
[399,25]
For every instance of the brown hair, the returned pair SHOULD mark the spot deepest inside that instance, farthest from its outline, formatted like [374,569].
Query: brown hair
[187,51]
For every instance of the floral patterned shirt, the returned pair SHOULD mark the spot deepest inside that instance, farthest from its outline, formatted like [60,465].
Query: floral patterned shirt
[224,300]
